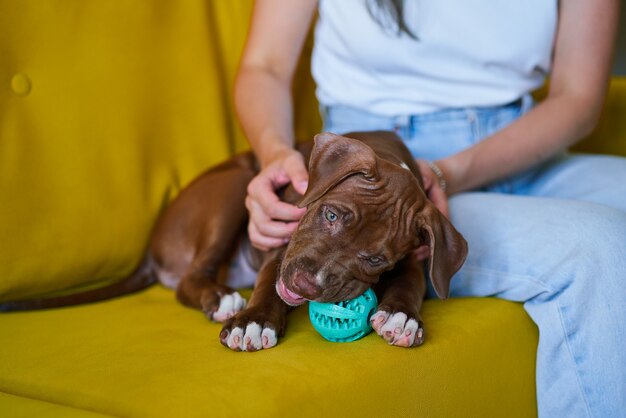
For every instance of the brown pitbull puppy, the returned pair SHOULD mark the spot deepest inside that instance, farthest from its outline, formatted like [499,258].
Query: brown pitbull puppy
[367,215]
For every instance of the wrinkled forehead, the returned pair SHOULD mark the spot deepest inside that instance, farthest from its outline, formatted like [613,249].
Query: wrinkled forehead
[394,185]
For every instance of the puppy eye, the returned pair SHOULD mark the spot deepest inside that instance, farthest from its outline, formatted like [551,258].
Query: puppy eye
[331,216]
[374,261]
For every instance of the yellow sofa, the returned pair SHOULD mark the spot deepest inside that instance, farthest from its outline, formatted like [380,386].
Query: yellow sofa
[107,109]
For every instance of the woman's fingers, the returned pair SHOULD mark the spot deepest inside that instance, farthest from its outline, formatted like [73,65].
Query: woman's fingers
[272,221]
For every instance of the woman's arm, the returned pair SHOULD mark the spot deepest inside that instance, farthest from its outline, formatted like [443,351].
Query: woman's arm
[583,56]
[263,84]
[265,110]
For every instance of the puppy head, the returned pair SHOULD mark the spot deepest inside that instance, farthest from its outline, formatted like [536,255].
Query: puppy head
[364,214]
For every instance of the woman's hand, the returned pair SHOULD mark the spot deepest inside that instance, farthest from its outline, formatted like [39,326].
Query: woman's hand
[432,187]
[272,222]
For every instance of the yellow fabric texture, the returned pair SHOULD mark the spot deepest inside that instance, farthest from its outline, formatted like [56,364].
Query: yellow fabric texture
[147,356]
[17,407]
[107,109]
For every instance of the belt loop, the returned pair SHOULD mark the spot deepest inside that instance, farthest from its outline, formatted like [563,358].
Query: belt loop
[472,115]
[527,103]
[401,122]
[474,123]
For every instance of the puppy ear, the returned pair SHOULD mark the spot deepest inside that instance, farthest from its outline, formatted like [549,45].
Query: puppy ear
[333,159]
[448,248]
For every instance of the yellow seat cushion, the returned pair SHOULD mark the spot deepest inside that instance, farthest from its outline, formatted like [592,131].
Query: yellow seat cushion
[19,407]
[147,356]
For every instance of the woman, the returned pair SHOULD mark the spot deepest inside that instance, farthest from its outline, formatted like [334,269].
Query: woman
[452,78]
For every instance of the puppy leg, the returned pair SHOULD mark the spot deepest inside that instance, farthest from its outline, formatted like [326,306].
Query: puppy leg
[209,218]
[401,292]
[263,321]
[200,289]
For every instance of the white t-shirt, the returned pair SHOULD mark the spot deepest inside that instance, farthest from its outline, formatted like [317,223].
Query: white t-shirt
[469,53]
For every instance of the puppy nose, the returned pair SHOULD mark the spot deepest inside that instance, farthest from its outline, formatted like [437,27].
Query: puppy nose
[304,285]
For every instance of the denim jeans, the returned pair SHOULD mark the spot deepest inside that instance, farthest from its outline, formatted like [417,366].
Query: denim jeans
[553,237]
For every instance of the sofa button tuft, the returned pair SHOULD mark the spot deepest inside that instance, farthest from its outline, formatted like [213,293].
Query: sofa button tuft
[20,84]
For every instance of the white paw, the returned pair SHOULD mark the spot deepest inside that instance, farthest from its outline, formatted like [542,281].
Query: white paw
[229,305]
[254,338]
[398,329]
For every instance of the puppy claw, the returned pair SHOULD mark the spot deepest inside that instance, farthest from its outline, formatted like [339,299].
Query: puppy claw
[398,329]
[233,341]
[378,320]
[269,338]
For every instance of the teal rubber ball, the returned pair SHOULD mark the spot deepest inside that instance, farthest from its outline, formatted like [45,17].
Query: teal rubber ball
[344,321]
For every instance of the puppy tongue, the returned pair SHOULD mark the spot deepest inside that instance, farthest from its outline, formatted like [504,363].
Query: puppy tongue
[288,296]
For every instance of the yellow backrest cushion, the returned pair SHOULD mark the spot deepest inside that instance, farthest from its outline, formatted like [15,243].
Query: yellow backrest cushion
[107,109]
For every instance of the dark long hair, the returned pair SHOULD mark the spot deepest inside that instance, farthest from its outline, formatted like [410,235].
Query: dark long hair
[389,14]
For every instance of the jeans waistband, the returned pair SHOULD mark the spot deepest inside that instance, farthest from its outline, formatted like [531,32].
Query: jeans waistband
[522,104]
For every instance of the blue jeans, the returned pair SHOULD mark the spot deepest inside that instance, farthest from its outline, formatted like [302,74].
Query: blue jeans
[553,237]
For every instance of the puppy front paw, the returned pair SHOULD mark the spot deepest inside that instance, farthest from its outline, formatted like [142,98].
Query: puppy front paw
[251,331]
[398,328]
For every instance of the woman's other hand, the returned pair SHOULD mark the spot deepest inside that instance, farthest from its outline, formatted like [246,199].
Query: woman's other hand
[432,187]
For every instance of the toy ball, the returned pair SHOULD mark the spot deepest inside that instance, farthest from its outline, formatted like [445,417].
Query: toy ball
[344,321]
